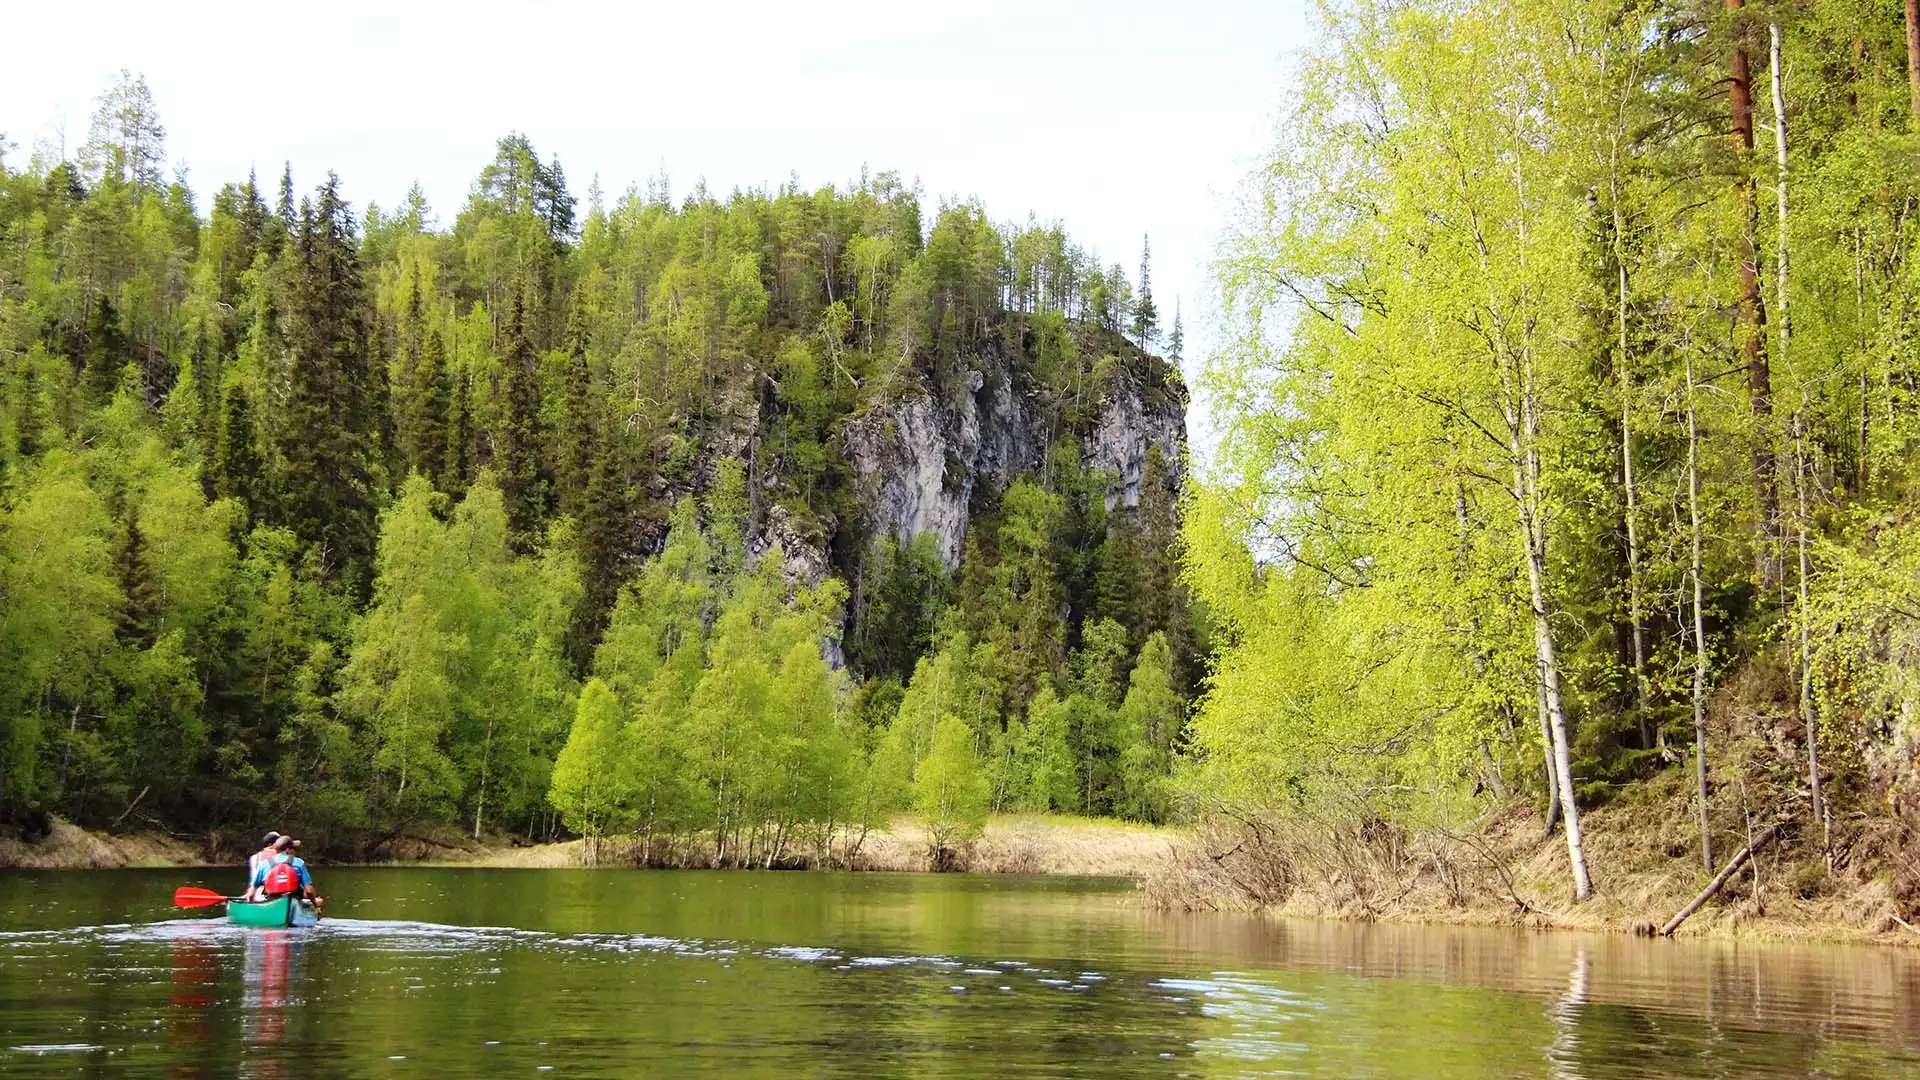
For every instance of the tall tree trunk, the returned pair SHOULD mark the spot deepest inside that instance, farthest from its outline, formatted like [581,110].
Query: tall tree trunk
[1523,417]
[1753,314]
[1549,677]
[1621,366]
[1546,753]
[1521,411]
[1699,624]
[1804,612]
[1808,717]
[1913,57]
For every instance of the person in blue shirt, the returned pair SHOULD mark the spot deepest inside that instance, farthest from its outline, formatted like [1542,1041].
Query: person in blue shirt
[282,874]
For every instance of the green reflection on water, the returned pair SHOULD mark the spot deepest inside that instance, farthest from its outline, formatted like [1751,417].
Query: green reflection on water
[447,973]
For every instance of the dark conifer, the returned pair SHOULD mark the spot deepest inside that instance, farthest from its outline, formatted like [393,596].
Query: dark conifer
[1146,316]
[517,440]
[327,437]
[460,436]
[237,469]
[428,393]
[142,608]
[574,435]
[606,532]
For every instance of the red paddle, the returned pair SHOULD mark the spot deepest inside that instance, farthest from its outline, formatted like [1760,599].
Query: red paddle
[188,896]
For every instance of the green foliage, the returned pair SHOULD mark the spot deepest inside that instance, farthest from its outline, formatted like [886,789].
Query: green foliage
[589,785]
[950,793]
[320,513]
[1505,416]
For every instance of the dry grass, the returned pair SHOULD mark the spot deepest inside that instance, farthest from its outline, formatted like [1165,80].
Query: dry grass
[69,847]
[1032,844]
[1011,844]
[1641,849]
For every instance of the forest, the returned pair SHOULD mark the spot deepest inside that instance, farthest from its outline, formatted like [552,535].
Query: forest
[544,521]
[1569,446]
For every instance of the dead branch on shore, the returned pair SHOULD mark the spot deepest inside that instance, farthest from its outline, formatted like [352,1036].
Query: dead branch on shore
[1720,880]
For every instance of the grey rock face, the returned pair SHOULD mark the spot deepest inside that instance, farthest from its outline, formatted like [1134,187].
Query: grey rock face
[1128,427]
[918,461]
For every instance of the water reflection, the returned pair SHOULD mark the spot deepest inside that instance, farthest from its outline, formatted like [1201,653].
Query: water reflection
[270,959]
[204,1011]
[1565,1016]
[194,992]
[488,974]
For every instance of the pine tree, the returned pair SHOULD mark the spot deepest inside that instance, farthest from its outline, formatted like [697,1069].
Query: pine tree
[1117,576]
[575,436]
[183,411]
[285,209]
[605,531]
[421,404]
[1177,340]
[435,391]
[328,436]
[517,441]
[30,417]
[125,142]
[103,350]
[1146,317]
[258,231]
[237,470]
[460,436]
[141,616]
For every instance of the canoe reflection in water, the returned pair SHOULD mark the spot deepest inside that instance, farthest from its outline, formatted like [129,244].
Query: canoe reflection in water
[270,966]
[271,956]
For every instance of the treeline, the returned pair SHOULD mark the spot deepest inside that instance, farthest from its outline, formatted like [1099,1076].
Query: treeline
[712,715]
[1571,425]
[328,517]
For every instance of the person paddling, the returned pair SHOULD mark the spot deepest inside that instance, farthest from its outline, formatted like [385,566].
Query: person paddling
[283,874]
[259,858]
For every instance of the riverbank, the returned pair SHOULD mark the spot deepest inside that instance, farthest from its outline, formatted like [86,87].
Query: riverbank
[67,846]
[1043,844]
[1505,871]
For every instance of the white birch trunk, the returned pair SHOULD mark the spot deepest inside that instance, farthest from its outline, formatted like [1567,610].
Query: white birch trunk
[1699,625]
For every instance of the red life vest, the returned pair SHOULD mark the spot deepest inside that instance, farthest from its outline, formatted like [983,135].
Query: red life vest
[282,879]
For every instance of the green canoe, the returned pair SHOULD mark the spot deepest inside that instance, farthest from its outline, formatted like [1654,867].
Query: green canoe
[283,911]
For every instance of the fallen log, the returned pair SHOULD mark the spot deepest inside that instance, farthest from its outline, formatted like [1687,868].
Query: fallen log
[1720,880]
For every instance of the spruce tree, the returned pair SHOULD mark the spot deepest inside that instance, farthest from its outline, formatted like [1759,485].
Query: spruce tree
[460,435]
[237,470]
[29,415]
[327,439]
[574,435]
[142,610]
[258,231]
[1117,581]
[431,392]
[605,528]
[517,441]
[1146,317]
[1162,598]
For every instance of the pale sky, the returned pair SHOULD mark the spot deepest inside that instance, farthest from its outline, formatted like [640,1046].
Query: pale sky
[1119,118]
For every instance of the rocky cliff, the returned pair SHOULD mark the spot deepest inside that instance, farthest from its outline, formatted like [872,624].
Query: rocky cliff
[919,460]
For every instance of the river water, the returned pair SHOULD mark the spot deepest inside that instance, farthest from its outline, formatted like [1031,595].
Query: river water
[446,973]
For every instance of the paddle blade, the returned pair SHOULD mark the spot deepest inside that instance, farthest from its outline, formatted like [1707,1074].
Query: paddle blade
[188,896]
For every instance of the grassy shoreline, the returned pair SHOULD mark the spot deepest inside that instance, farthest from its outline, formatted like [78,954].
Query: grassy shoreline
[1640,886]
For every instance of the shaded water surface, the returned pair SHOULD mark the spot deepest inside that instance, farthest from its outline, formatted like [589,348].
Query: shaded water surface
[450,973]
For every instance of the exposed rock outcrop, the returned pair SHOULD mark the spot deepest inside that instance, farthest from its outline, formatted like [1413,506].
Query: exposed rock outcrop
[918,460]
